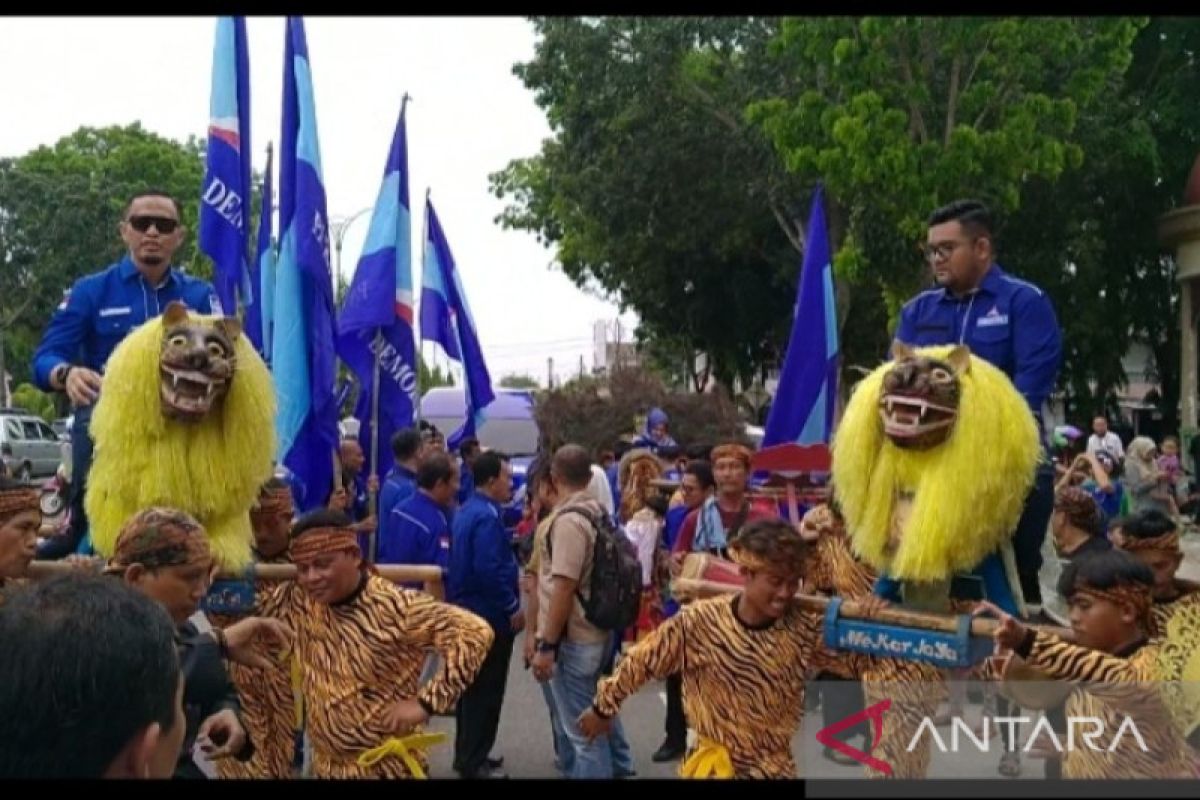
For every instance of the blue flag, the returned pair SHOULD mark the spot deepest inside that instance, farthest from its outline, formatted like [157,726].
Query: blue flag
[802,412]
[302,350]
[445,319]
[261,305]
[224,202]
[377,314]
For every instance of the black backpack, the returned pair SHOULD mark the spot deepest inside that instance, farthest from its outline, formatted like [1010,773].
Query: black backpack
[615,591]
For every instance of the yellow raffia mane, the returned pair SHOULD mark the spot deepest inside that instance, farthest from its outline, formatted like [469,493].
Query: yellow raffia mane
[969,491]
[212,470]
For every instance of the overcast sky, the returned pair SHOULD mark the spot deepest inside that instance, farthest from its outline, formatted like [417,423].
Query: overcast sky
[469,116]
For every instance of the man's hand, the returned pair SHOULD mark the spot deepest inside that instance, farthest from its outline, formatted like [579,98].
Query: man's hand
[221,735]
[368,525]
[373,484]
[1009,633]
[870,605]
[339,500]
[675,565]
[83,386]
[543,666]
[401,717]
[517,621]
[240,639]
[530,648]
[592,724]
[84,563]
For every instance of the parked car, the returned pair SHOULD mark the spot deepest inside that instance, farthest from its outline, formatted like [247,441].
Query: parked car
[29,446]
[62,427]
[509,427]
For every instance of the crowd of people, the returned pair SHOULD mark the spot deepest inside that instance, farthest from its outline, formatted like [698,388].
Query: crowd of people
[153,663]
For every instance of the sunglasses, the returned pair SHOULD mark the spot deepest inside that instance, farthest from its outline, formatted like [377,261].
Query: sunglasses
[162,224]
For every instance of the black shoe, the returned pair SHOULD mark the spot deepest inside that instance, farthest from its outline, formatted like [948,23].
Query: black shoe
[495,763]
[669,751]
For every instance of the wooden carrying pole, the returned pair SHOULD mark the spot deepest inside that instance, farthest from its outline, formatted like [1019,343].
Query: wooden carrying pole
[428,574]
[948,623]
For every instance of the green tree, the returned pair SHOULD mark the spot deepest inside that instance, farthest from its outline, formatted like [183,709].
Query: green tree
[35,401]
[654,190]
[1090,237]
[518,382]
[900,115]
[59,209]
[431,378]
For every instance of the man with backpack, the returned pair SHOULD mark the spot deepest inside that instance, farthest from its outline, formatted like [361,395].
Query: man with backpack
[589,584]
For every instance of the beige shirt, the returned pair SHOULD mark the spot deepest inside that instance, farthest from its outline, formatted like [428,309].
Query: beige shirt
[570,556]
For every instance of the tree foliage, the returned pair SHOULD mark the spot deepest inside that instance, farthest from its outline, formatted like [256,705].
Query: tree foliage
[684,153]
[59,209]
[596,411]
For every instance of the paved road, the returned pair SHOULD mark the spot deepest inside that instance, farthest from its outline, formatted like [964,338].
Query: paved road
[524,737]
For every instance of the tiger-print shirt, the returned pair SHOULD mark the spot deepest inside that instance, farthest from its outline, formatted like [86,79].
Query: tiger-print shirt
[1177,633]
[1117,687]
[915,688]
[742,687]
[1162,612]
[361,656]
[833,568]
[268,704]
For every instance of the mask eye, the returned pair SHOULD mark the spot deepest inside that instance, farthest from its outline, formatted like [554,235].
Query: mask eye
[178,340]
[216,350]
[940,375]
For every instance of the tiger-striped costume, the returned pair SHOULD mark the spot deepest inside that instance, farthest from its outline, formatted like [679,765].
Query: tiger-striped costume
[359,657]
[915,689]
[1177,628]
[1117,687]
[743,688]
[268,705]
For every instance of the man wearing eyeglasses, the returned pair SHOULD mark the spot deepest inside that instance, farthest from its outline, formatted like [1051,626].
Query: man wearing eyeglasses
[1003,319]
[97,313]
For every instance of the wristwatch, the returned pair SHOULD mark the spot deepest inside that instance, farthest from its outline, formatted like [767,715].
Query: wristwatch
[60,374]
[543,646]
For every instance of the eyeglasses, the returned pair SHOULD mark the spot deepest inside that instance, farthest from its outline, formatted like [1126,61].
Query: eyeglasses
[938,253]
[162,224]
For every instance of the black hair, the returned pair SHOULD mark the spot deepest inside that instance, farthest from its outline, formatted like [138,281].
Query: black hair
[658,504]
[321,518]
[1149,523]
[669,451]
[620,448]
[406,443]
[88,664]
[775,541]
[703,472]
[700,452]
[487,466]
[152,193]
[436,467]
[973,215]
[1103,570]
[468,447]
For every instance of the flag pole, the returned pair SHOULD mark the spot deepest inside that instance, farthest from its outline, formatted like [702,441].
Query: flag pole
[417,323]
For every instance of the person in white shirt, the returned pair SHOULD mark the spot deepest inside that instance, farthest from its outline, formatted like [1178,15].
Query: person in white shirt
[1104,439]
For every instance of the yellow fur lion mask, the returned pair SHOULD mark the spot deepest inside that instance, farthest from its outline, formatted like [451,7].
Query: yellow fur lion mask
[968,492]
[211,469]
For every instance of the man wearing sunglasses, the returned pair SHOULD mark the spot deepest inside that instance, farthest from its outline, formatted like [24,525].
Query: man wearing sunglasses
[97,313]
[1005,320]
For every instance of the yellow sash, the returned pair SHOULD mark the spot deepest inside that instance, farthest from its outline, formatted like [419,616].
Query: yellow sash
[403,746]
[709,760]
